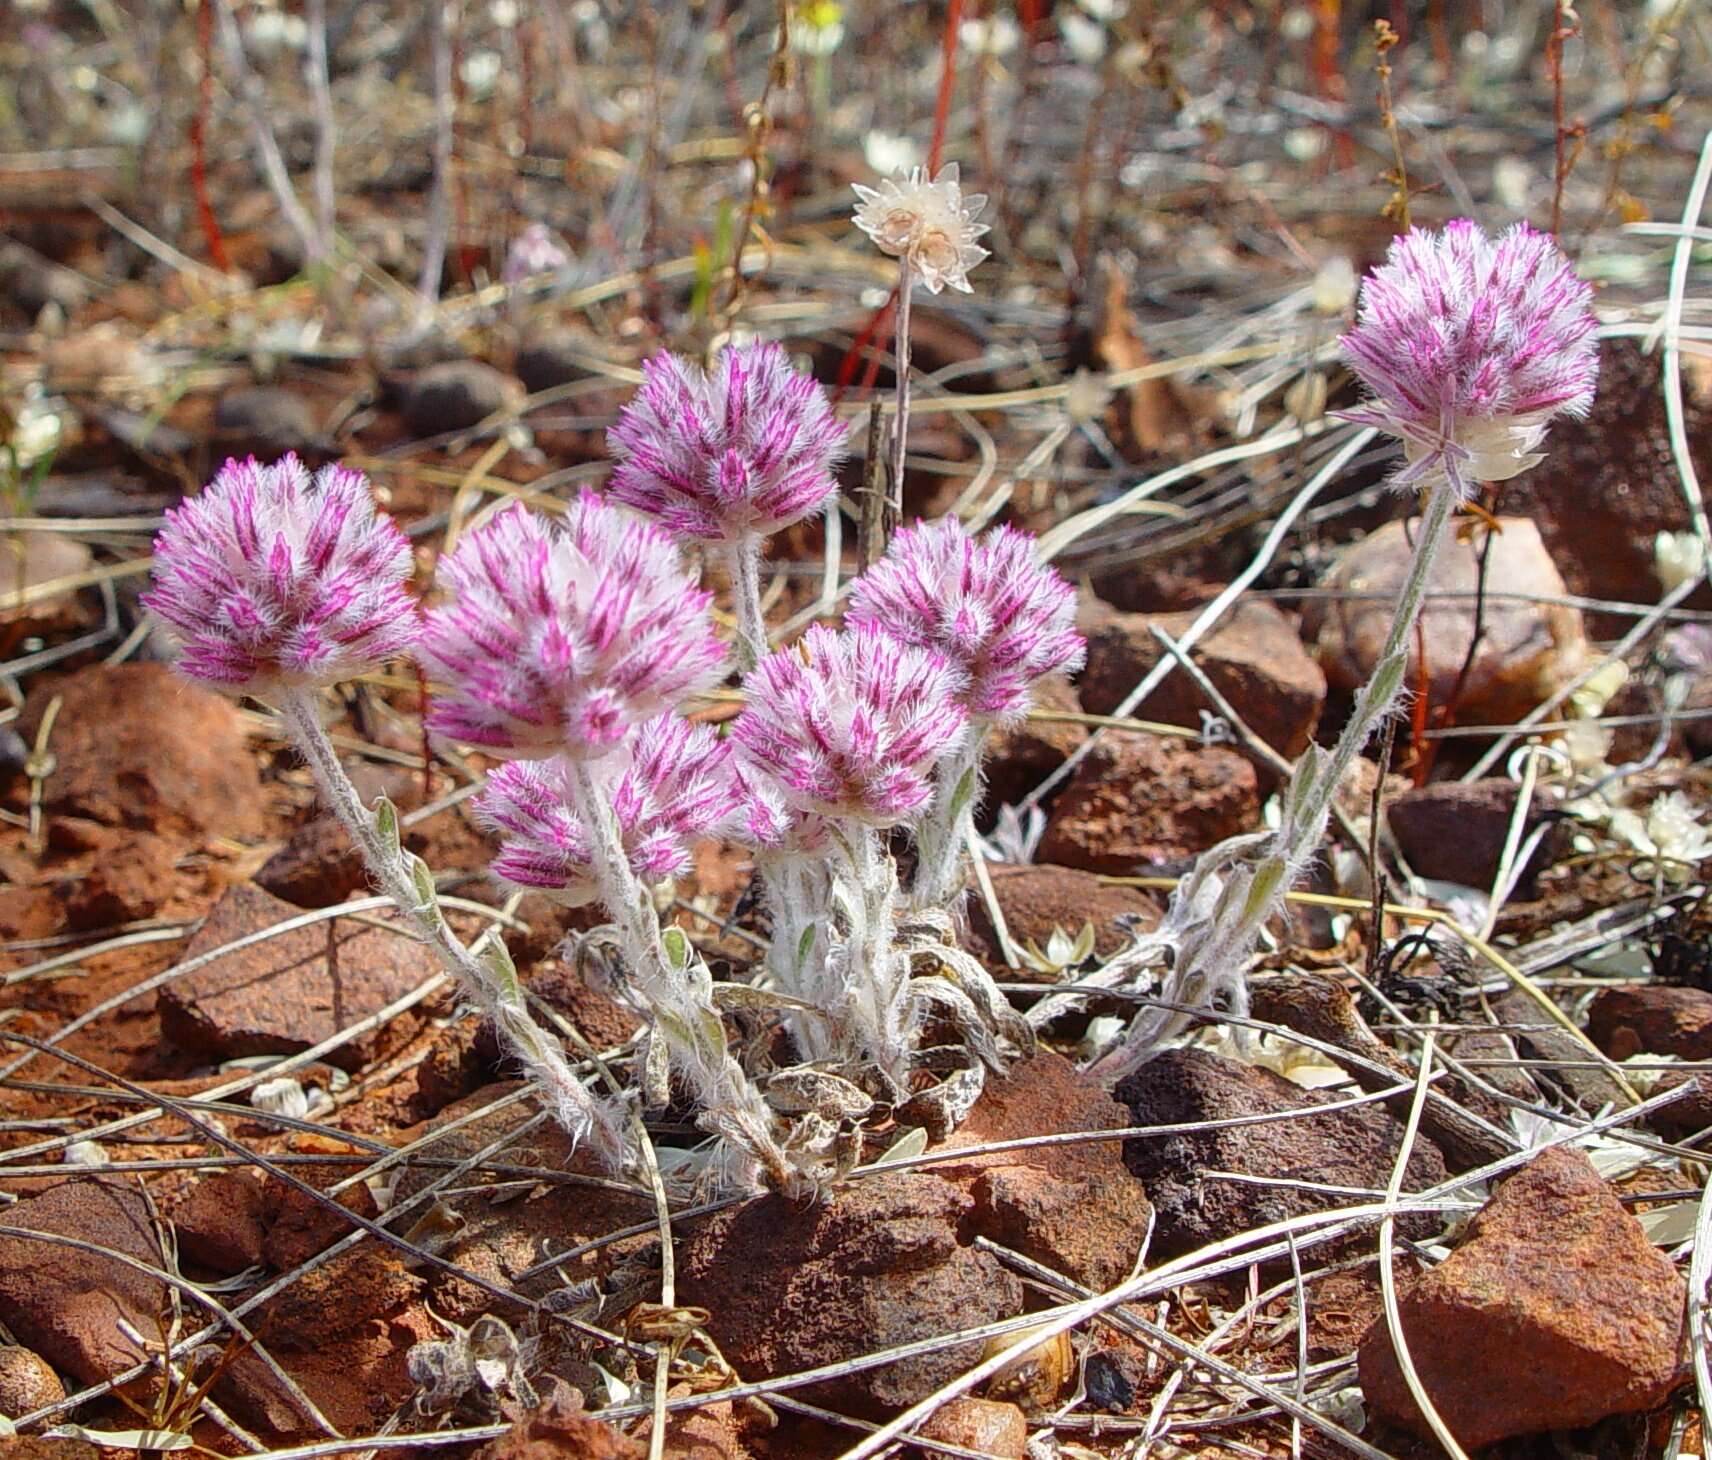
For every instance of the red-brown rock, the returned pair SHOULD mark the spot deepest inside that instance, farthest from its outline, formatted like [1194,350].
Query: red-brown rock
[1354,1146]
[64,1302]
[135,745]
[127,882]
[1555,1271]
[316,867]
[286,993]
[1652,1018]
[298,1226]
[1610,484]
[1075,1208]
[222,1222]
[1530,643]
[1253,657]
[1040,898]
[1138,801]
[878,1263]
[1456,830]
[1021,757]
[558,1428]
[987,1426]
[27,1383]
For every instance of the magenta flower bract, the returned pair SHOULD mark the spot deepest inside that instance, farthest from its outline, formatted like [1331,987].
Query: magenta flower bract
[560,638]
[671,784]
[743,453]
[1469,348]
[985,603]
[273,579]
[850,724]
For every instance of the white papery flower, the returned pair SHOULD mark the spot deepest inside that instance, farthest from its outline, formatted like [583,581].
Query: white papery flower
[1085,39]
[995,37]
[890,152]
[1677,557]
[930,223]
[1671,832]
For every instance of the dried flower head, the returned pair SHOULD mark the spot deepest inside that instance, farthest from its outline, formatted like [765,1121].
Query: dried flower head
[273,579]
[671,784]
[850,724]
[986,604]
[1469,348]
[932,224]
[561,638]
[742,453]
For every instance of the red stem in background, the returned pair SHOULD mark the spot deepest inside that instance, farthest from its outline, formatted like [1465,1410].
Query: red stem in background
[861,350]
[1028,12]
[947,81]
[198,139]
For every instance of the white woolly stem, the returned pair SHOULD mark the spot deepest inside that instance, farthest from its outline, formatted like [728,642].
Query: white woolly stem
[901,352]
[320,90]
[797,954]
[743,565]
[439,194]
[943,835]
[1385,689]
[393,869]
[677,993]
[1214,958]
[875,989]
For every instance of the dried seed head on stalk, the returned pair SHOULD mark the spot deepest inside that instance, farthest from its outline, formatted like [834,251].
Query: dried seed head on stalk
[985,603]
[850,724]
[275,580]
[559,639]
[741,453]
[671,784]
[930,223]
[1469,347]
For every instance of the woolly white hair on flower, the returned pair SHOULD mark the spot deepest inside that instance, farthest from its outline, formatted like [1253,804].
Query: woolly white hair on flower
[929,222]
[1469,347]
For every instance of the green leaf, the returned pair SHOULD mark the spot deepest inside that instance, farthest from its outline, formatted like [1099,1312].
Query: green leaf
[678,949]
[386,824]
[963,795]
[805,944]
[496,957]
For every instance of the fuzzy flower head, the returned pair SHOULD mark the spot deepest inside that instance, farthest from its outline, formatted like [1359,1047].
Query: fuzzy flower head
[1469,347]
[272,579]
[930,223]
[671,784]
[986,604]
[741,453]
[560,638]
[850,724]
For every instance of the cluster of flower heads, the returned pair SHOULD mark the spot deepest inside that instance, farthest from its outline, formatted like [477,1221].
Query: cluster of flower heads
[669,786]
[927,221]
[274,579]
[986,604]
[1469,346]
[744,452]
[562,638]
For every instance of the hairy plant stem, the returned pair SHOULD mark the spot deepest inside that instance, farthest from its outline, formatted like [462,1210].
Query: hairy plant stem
[900,422]
[944,832]
[1235,889]
[874,985]
[742,561]
[676,991]
[485,981]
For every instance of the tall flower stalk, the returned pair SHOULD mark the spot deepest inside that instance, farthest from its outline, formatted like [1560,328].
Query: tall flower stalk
[1468,347]
[278,585]
[929,226]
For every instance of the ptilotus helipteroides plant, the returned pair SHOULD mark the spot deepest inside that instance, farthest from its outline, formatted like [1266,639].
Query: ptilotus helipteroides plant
[573,650]
[1468,347]
[279,585]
